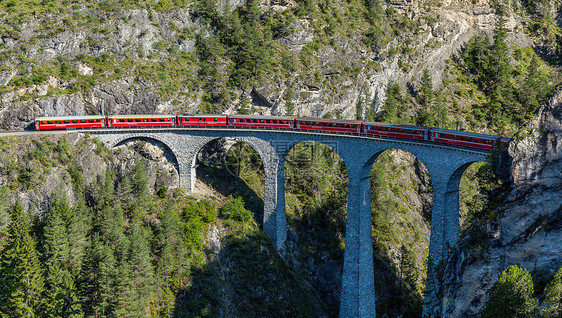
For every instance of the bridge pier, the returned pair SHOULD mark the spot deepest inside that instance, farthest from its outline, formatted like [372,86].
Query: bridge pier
[358,280]
[274,218]
[444,234]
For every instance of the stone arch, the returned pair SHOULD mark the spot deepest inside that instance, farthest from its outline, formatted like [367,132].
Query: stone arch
[172,152]
[169,154]
[259,145]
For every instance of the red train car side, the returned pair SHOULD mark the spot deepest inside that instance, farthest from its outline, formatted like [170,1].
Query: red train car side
[242,121]
[71,122]
[123,121]
[437,135]
[344,126]
[202,120]
[462,138]
[396,131]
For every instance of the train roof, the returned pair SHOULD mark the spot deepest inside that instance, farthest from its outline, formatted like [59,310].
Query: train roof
[262,117]
[204,115]
[327,120]
[464,133]
[401,126]
[141,116]
[70,117]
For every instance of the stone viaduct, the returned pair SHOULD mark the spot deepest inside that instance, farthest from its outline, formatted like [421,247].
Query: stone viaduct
[445,165]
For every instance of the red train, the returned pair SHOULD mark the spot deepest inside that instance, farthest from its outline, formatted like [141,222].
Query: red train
[370,129]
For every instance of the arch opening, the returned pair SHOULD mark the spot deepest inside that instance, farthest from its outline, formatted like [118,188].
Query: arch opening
[401,208]
[477,185]
[229,167]
[167,151]
[165,174]
[316,190]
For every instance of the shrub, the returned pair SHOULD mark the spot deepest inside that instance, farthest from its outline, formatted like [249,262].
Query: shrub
[512,295]
[234,209]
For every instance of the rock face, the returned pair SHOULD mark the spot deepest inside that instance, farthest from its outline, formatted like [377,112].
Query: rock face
[334,80]
[528,228]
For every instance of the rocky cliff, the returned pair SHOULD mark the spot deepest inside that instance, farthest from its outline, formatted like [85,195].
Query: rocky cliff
[327,61]
[525,229]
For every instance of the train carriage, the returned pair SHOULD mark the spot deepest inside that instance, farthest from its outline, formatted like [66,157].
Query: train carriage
[327,125]
[123,121]
[202,120]
[395,130]
[271,122]
[463,138]
[69,122]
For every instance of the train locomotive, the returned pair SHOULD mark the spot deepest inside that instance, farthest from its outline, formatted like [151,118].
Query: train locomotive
[360,128]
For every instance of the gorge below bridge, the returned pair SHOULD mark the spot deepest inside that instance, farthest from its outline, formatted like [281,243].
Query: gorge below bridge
[444,163]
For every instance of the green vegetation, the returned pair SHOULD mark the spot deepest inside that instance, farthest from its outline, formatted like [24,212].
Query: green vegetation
[553,296]
[512,295]
[397,231]
[512,92]
[22,272]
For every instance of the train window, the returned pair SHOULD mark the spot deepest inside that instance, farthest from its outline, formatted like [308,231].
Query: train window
[215,119]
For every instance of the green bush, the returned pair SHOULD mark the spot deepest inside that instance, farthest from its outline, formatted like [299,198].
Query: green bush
[512,295]
[234,209]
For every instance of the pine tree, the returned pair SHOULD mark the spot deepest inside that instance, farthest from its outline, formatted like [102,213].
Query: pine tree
[391,104]
[136,277]
[139,181]
[512,295]
[125,193]
[78,228]
[359,109]
[553,296]
[440,112]
[20,257]
[172,265]
[56,254]
[535,90]
[99,275]
[426,89]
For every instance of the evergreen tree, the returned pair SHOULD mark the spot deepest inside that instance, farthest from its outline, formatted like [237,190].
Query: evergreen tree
[56,254]
[244,106]
[535,90]
[440,112]
[359,109]
[553,296]
[139,181]
[512,295]
[78,237]
[172,265]
[99,275]
[136,277]
[125,193]
[24,271]
[475,55]
[426,89]
[392,102]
